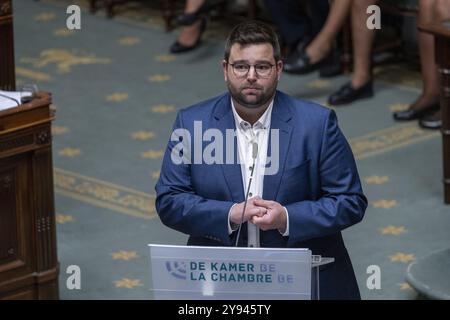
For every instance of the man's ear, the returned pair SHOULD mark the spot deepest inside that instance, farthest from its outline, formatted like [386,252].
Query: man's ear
[225,71]
[279,69]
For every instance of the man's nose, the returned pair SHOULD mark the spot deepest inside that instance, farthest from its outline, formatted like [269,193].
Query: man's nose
[251,75]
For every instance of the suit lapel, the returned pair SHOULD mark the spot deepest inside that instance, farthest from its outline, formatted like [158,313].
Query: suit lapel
[281,114]
[231,172]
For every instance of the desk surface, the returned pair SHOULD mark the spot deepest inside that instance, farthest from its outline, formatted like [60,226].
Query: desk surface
[28,114]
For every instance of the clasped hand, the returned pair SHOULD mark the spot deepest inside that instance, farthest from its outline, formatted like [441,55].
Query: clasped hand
[267,215]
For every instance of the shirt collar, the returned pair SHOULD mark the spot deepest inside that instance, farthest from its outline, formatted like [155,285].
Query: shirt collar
[262,122]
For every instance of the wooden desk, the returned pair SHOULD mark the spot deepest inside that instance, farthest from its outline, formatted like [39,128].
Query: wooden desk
[441,32]
[28,260]
[7,74]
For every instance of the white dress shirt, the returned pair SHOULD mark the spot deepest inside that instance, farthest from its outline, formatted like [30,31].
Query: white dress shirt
[247,135]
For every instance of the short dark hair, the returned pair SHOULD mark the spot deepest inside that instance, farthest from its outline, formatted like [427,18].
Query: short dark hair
[253,32]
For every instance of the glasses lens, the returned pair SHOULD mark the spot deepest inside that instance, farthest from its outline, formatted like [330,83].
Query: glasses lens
[263,70]
[241,69]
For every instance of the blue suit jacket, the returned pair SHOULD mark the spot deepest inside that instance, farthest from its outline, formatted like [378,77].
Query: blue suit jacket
[317,182]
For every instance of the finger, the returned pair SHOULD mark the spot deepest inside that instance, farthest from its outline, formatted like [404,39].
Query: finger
[261,212]
[252,200]
[262,203]
[256,220]
[257,212]
[260,222]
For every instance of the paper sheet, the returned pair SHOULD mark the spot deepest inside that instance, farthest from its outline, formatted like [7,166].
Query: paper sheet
[11,99]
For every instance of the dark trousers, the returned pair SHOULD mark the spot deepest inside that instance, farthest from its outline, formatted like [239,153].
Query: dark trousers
[298,20]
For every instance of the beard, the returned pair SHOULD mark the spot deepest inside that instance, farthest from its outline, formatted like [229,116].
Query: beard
[255,99]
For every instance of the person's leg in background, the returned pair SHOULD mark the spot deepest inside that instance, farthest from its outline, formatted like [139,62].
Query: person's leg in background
[429,11]
[317,14]
[320,47]
[311,58]
[429,98]
[292,24]
[193,5]
[363,38]
[189,37]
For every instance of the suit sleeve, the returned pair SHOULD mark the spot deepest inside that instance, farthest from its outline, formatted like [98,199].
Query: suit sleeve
[177,203]
[342,202]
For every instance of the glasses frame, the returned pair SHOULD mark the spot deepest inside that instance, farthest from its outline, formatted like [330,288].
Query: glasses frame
[250,67]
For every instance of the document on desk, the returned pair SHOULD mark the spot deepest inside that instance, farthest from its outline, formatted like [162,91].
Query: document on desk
[11,99]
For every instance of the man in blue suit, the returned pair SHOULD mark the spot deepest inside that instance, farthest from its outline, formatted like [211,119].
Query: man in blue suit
[309,193]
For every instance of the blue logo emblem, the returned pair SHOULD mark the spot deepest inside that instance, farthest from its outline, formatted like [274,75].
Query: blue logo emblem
[176,269]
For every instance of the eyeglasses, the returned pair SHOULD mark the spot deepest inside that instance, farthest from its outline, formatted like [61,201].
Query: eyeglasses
[263,70]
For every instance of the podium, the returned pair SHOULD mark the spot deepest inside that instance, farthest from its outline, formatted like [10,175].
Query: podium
[28,260]
[229,273]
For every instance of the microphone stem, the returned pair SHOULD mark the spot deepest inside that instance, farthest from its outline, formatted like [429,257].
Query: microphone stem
[245,203]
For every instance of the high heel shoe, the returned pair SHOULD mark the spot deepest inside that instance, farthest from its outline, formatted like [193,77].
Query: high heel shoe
[177,47]
[188,19]
[300,63]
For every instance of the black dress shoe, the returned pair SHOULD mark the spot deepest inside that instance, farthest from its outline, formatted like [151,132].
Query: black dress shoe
[299,63]
[347,94]
[412,114]
[431,121]
[177,47]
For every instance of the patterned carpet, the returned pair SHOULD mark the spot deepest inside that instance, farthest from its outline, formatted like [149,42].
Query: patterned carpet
[116,92]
